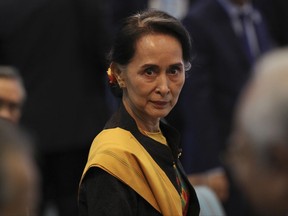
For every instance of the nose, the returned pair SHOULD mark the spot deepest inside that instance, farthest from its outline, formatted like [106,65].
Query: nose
[163,85]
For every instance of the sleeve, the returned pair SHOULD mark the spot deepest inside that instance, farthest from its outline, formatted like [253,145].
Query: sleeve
[102,194]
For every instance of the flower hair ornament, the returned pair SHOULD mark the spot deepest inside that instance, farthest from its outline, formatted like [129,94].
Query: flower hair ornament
[113,83]
[111,78]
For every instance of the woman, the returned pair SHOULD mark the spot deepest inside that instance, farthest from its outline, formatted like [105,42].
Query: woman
[133,166]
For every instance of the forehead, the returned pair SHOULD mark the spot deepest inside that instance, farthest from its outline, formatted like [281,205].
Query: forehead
[9,82]
[157,45]
[10,87]
[150,40]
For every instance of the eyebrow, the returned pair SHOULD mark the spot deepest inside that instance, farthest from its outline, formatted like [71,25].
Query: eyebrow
[155,65]
[178,64]
[149,65]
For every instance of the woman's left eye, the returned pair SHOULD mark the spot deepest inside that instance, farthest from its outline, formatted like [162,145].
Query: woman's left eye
[174,70]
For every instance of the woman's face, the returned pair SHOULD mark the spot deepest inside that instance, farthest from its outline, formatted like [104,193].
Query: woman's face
[154,78]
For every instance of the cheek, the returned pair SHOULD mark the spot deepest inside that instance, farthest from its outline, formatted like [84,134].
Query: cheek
[137,91]
[181,82]
[176,89]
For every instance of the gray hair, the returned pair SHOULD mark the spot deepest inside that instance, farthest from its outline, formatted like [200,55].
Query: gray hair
[263,110]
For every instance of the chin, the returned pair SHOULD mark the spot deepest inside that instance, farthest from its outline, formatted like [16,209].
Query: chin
[161,114]
[158,115]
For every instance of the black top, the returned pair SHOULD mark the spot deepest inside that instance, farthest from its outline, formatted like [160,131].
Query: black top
[98,188]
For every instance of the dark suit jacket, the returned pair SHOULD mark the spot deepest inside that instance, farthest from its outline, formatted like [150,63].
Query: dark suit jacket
[126,8]
[59,47]
[205,109]
[276,15]
[220,69]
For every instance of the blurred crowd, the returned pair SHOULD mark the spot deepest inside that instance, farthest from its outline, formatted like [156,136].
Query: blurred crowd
[53,86]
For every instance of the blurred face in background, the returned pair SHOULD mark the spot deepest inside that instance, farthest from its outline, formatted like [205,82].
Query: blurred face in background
[11,99]
[153,80]
[19,175]
[265,183]
[22,184]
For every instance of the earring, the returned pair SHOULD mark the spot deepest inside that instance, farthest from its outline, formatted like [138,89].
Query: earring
[121,84]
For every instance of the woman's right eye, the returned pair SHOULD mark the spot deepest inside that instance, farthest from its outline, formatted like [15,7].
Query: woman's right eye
[149,71]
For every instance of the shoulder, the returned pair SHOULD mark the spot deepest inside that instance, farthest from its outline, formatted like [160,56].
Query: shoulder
[114,141]
[97,194]
[111,138]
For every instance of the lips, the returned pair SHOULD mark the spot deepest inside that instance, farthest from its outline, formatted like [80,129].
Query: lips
[160,104]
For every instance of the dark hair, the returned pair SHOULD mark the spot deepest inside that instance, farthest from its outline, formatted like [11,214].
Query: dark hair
[143,23]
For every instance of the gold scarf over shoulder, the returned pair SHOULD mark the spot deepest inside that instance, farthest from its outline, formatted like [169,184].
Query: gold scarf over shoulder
[119,153]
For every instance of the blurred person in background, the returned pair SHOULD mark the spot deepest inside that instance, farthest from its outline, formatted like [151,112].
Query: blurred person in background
[59,48]
[12,94]
[276,15]
[258,150]
[177,9]
[19,177]
[125,8]
[228,36]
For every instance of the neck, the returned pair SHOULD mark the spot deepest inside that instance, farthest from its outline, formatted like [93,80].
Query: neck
[148,128]
[142,121]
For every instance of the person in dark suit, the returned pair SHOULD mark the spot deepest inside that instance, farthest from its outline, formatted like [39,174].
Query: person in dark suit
[125,8]
[59,48]
[276,15]
[220,70]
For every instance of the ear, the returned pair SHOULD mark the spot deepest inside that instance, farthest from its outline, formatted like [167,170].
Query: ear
[118,73]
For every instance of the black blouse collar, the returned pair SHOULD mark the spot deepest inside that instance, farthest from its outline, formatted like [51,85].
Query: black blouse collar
[123,120]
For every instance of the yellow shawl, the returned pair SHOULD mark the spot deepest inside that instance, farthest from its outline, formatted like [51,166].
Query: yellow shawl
[119,153]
